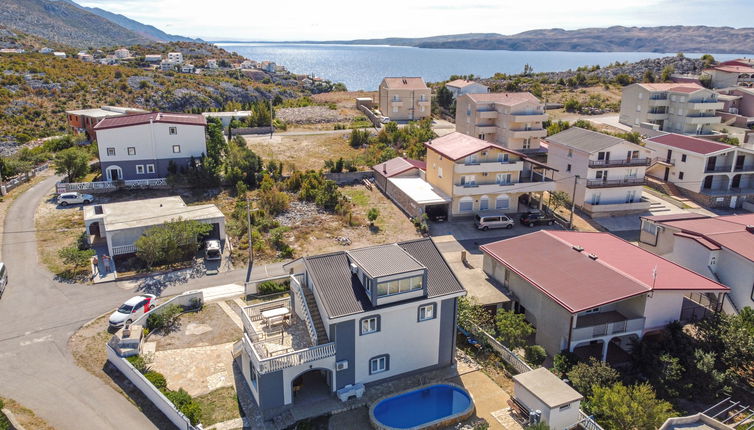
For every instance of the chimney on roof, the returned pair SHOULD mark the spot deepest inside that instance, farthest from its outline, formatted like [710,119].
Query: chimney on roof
[577,248]
[384,167]
[592,256]
[750,228]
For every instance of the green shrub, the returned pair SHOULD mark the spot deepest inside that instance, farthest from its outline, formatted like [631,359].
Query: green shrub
[186,404]
[163,318]
[563,363]
[139,362]
[157,379]
[535,355]
[272,287]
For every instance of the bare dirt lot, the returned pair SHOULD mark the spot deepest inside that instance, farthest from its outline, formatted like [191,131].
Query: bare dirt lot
[210,326]
[304,152]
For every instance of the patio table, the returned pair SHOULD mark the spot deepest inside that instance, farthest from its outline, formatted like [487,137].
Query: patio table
[276,313]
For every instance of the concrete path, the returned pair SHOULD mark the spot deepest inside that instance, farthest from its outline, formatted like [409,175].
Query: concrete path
[38,316]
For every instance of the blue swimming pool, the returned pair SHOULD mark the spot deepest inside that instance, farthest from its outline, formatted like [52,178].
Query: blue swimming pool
[440,404]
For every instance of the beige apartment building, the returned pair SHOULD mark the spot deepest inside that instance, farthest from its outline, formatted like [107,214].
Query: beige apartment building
[478,175]
[685,108]
[405,99]
[512,120]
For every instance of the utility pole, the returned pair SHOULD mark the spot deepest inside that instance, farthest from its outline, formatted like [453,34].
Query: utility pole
[251,243]
[573,201]
[272,127]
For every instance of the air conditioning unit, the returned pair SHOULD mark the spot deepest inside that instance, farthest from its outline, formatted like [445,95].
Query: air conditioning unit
[354,268]
[341,365]
[733,110]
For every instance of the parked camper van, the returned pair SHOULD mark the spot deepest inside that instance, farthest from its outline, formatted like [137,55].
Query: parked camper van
[486,221]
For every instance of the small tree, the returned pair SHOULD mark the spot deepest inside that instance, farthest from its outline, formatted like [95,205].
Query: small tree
[559,199]
[618,407]
[164,318]
[535,355]
[372,215]
[76,257]
[72,162]
[512,328]
[273,201]
[585,376]
[171,242]
[472,313]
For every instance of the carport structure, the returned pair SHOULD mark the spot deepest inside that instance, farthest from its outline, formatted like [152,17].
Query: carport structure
[121,224]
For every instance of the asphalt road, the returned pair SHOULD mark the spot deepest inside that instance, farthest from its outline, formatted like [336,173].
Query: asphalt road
[37,317]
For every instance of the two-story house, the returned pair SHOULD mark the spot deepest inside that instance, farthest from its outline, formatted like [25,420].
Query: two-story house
[84,120]
[144,146]
[479,175]
[462,86]
[738,105]
[592,293]
[512,120]
[686,108]
[405,99]
[720,248]
[353,317]
[712,173]
[175,57]
[608,171]
[730,74]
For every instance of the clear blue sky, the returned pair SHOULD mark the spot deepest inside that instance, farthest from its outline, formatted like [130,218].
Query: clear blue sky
[348,19]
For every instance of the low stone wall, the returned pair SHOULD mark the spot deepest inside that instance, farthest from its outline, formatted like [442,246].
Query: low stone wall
[349,178]
[372,117]
[250,130]
[185,300]
[150,391]
[16,181]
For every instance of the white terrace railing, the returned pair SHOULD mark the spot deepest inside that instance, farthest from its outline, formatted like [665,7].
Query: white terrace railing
[65,187]
[124,249]
[291,359]
[586,422]
[298,296]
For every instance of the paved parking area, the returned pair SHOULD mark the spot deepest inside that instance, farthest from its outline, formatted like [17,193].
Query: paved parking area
[658,206]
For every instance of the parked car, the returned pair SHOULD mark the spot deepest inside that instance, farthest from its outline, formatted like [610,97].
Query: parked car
[536,217]
[212,250]
[132,309]
[3,278]
[486,221]
[66,199]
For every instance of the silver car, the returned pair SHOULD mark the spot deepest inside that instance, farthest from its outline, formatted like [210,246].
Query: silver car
[212,250]
[486,221]
[66,199]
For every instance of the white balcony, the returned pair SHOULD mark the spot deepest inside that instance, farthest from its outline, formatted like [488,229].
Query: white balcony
[706,105]
[490,167]
[529,117]
[395,103]
[657,102]
[702,119]
[596,326]
[525,134]
[657,116]
[486,114]
[494,188]
[485,129]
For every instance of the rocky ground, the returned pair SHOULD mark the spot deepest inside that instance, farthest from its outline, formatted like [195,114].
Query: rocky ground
[311,115]
[299,213]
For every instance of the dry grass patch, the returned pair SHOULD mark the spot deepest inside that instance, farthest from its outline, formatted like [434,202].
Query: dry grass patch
[58,228]
[25,417]
[218,406]
[209,326]
[304,152]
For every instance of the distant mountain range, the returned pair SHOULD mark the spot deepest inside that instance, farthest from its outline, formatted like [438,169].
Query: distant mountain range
[672,39]
[65,22]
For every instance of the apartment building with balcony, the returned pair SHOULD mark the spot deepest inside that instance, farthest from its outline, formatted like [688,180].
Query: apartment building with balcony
[511,120]
[738,106]
[405,99]
[479,175]
[593,293]
[712,173]
[720,248]
[610,171]
[354,318]
[685,108]
[731,74]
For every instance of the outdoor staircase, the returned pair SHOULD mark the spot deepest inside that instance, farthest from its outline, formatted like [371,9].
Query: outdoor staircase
[316,317]
[671,190]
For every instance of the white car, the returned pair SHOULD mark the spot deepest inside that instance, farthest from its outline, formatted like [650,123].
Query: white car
[212,250]
[132,309]
[66,199]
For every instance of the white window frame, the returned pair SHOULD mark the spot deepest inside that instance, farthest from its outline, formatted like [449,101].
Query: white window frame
[110,152]
[131,150]
[176,147]
[484,203]
[439,172]
[150,168]
[139,169]
[427,312]
[378,365]
[369,325]
[173,131]
[466,201]
[500,178]
[505,199]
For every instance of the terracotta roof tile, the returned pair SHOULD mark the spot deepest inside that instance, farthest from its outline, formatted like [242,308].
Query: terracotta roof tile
[507,99]
[412,83]
[458,145]
[398,165]
[171,118]
[689,143]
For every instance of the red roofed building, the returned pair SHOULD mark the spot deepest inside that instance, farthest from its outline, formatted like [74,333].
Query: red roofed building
[149,146]
[712,173]
[685,108]
[403,181]
[405,99]
[580,289]
[730,74]
[462,86]
[719,248]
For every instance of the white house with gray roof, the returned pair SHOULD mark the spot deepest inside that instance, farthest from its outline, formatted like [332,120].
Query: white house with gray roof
[353,318]
[609,171]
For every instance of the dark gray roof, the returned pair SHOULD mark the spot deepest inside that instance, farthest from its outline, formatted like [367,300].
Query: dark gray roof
[585,140]
[384,260]
[342,293]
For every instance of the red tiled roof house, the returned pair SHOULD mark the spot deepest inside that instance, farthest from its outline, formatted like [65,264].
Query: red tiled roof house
[593,291]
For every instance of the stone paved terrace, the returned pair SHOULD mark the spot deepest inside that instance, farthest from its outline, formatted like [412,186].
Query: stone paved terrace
[281,338]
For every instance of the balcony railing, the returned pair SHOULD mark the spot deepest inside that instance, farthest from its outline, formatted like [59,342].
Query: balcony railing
[291,359]
[723,168]
[620,163]
[607,329]
[298,297]
[610,183]
[744,168]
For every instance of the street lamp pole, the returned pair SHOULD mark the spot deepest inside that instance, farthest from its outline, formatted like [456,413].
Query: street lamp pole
[573,201]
